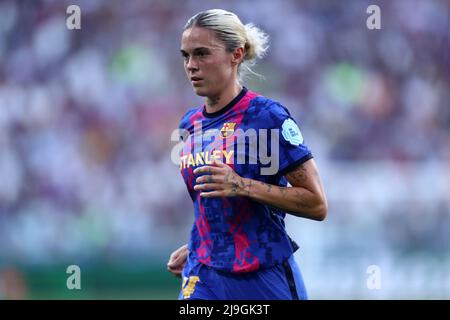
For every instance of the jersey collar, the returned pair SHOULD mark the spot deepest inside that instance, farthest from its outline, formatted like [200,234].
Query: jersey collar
[227,107]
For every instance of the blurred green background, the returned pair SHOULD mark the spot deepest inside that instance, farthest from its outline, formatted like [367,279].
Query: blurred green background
[100,281]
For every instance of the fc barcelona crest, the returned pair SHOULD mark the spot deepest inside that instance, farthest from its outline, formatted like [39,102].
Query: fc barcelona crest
[228,129]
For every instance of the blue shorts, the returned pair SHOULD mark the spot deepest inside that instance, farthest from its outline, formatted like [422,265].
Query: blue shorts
[281,282]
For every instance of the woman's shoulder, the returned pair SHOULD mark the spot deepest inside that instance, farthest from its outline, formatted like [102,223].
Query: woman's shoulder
[189,117]
[267,107]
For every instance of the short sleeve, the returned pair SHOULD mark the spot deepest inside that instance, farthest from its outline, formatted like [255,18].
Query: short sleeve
[292,149]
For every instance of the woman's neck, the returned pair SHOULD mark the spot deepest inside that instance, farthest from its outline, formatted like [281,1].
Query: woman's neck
[214,104]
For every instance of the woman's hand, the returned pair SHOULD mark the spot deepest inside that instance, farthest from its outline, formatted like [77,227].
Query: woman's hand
[219,180]
[177,260]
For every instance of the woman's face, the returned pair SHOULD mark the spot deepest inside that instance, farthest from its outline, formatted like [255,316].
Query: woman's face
[209,67]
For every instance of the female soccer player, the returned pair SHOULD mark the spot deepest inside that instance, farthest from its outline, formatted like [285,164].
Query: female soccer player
[239,248]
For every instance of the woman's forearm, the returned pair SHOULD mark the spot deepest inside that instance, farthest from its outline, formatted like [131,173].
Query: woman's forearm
[298,201]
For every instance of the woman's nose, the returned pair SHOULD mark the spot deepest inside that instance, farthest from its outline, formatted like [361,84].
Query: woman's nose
[191,64]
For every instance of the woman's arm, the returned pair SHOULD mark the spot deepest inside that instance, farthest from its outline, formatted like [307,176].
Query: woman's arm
[306,198]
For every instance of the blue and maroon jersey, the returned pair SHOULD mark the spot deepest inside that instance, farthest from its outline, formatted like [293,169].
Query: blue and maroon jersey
[237,234]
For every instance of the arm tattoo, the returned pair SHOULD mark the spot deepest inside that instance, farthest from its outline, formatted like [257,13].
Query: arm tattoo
[234,188]
[227,177]
[302,204]
[250,183]
[299,174]
[282,191]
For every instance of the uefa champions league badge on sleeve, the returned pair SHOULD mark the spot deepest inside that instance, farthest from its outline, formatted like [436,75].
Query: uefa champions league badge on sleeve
[291,132]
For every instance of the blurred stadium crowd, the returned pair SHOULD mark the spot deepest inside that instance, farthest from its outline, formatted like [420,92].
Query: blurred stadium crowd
[86,118]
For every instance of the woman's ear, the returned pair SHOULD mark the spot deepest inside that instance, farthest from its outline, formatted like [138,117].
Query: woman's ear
[238,56]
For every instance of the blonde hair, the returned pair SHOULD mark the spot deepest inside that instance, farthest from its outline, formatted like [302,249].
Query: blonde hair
[234,34]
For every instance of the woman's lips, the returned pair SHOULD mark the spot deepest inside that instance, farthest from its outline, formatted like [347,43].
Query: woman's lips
[196,80]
